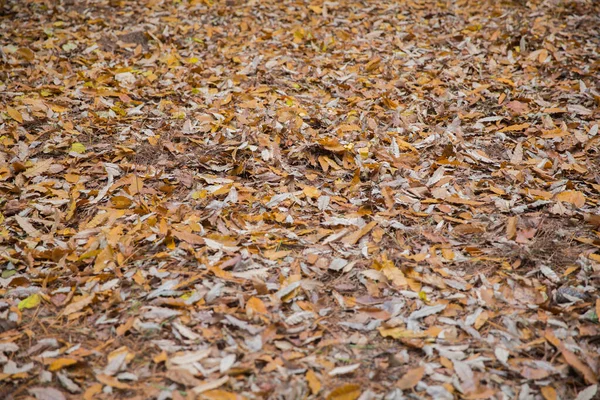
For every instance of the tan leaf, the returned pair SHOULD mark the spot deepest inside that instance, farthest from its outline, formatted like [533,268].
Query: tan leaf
[14,114]
[511,228]
[188,237]
[79,304]
[571,359]
[112,382]
[411,378]
[38,168]
[27,227]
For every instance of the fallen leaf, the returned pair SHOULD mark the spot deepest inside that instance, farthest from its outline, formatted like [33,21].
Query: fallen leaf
[411,378]
[79,304]
[571,196]
[31,301]
[345,392]
[313,382]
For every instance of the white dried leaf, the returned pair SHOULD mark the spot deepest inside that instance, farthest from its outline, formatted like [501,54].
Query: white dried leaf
[427,311]
[67,383]
[346,369]
[278,198]
[374,274]
[490,119]
[46,393]
[226,363]
[323,202]
[588,393]
[501,354]
[185,331]
[549,273]
[577,109]
[465,374]
[435,178]
[337,264]
[210,385]
[298,317]
[159,313]
[191,357]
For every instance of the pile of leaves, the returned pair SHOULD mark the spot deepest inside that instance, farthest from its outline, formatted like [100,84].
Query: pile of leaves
[292,199]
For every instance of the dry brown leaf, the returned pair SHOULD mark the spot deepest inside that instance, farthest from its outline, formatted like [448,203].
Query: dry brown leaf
[571,359]
[354,237]
[79,304]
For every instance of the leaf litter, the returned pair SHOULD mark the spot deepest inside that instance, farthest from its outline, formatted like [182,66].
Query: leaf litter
[278,199]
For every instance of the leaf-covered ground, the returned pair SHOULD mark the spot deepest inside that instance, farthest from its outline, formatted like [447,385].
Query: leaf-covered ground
[294,200]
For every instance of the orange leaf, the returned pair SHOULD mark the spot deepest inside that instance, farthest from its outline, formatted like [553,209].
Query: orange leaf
[571,196]
[60,363]
[256,305]
[112,382]
[549,393]
[354,237]
[313,381]
[121,202]
[411,378]
[91,391]
[514,128]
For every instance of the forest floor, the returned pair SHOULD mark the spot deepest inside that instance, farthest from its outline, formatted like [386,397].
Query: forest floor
[291,200]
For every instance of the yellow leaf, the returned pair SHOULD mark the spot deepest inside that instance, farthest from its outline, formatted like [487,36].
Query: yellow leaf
[219,394]
[78,148]
[571,196]
[30,302]
[350,391]
[313,381]
[60,363]
[399,333]
[14,114]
